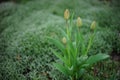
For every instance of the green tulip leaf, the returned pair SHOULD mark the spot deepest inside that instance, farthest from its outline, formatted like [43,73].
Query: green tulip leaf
[95,58]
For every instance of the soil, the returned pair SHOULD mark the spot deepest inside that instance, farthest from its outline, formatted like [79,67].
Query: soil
[115,56]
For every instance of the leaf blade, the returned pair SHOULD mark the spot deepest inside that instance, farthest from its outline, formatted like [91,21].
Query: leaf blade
[57,43]
[98,57]
[61,68]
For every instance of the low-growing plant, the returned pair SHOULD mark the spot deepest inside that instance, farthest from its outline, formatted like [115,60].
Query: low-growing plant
[73,53]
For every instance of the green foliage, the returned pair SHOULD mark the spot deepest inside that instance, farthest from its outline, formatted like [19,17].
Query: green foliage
[23,28]
[22,1]
[73,51]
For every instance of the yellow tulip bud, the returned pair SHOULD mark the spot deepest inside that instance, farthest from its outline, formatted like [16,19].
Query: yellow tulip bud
[79,22]
[66,14]
[93,25]
[64,41]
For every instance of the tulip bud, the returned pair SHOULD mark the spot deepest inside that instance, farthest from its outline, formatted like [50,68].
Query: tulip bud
[79,22]
[64,41]
[93,25]
[66,14]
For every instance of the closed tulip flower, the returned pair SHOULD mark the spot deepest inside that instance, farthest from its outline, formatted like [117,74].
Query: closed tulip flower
[79,22]
[66,14]
[64,41]
[93,25]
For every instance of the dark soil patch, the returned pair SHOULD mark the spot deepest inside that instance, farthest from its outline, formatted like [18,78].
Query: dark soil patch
[115,56]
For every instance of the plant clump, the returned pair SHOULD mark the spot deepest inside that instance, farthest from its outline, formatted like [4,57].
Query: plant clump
[73,54]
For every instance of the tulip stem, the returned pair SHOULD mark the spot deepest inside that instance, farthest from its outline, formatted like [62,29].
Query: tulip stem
[67,26]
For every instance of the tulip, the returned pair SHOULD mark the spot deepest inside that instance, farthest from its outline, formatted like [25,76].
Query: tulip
[79,22]
[93,25]
[64,41]
[66,14]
